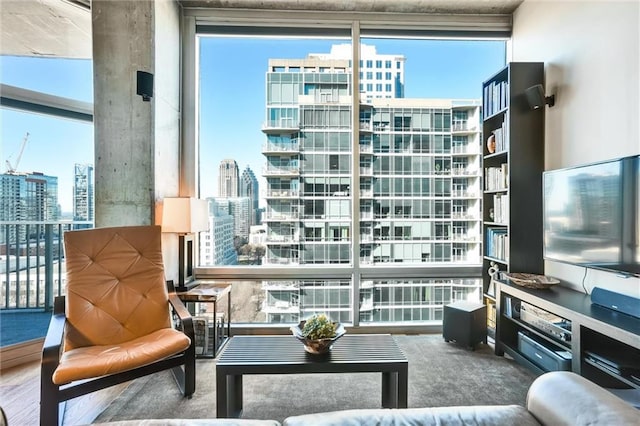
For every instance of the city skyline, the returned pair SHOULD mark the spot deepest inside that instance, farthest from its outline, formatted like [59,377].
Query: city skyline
[434,69]
[440,69]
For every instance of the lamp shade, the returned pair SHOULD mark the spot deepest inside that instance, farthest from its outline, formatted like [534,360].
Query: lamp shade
[185,215]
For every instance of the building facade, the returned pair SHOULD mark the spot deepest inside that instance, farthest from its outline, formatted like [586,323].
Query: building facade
[248,187]
[381,76]
[228,178]
[27,197]
[83,197]
[418,189]
[216,244]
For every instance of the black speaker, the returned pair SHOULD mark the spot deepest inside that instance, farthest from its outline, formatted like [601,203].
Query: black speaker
[145,85]
[535,96]
[537,99]
[618,302]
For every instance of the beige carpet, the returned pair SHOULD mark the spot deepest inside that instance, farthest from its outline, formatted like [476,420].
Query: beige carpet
[440,374]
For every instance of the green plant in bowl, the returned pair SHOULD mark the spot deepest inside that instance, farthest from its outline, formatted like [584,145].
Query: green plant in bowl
[319,326]
[318,333]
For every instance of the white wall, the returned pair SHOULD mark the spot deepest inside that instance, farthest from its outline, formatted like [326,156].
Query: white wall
[591,51]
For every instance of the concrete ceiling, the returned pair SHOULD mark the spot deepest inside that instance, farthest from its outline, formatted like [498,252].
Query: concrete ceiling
[62,28]
[45,28]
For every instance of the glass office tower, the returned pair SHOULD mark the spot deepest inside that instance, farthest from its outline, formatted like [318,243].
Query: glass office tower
[83,198]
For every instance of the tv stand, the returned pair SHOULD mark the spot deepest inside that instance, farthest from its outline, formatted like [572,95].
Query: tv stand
[604,344]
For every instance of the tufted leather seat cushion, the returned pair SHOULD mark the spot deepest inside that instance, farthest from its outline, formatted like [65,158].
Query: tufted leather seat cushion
[117,303]
[96,361]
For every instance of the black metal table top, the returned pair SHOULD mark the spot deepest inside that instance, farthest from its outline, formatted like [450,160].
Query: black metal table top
[287,350]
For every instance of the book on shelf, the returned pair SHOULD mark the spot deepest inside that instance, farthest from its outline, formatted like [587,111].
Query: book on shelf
[501,208]
[502,135]
[497,243]
[496,178]
[496,97]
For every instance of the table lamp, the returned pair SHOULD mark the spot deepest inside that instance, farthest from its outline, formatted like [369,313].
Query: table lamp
[185,216]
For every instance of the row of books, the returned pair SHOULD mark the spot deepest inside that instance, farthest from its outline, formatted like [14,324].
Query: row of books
[496,178]
[501,208]
[491,316]
[497,241]
[496,97]
[501,135]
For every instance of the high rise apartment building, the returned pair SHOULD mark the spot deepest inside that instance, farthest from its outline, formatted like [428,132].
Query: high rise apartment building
[248,187]
[83,198]
[228,177]
[216,244]
[381,76]
[240,209]
[27,197]
[418,185]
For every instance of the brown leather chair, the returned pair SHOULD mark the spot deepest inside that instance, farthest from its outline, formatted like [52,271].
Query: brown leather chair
[115,323]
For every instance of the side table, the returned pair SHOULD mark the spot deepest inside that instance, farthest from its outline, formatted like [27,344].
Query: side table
[209,324]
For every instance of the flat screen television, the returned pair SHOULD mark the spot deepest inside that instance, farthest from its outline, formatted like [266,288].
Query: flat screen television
[590,215]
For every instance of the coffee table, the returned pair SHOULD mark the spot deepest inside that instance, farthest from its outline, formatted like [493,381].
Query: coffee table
[358,353]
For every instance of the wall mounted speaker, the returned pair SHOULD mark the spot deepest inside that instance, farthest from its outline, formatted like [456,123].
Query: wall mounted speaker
[145,85]
[537,99]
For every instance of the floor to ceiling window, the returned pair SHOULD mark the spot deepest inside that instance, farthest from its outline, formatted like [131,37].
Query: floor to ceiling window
[341,184]
[46,185]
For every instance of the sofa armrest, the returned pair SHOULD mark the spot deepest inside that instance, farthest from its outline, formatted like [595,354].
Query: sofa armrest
[565,398]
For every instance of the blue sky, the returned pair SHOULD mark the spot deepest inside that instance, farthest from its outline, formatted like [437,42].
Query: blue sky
[232,98]
[54,144]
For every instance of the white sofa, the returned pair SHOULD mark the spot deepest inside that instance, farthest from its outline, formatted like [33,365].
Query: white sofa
[554,399]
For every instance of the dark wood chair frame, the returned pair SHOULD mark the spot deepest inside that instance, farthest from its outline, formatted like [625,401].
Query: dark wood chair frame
[53,397]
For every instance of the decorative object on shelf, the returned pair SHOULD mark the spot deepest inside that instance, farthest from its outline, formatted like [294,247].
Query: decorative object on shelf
[530,280]
[493,270]
[491,143]
[494,273]
[318,333]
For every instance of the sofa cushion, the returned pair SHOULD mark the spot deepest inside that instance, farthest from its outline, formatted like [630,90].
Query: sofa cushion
[193,422]
[565,398]
[497,415]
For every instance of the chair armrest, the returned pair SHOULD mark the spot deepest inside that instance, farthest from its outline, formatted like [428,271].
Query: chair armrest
[183,314]
[54,339]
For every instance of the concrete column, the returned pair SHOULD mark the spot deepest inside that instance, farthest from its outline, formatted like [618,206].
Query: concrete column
[136,142]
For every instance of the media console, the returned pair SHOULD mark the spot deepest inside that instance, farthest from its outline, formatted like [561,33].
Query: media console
[560,323]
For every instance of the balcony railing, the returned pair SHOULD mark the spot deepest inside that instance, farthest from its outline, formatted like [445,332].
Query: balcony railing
[280,148]
[282,193]
[32,266]
[287,125]
[280,216]
[280,171]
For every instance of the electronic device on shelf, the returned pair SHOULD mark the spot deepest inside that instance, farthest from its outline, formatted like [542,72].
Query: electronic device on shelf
[542,355]
[622,363]
[546,322]
[618,302]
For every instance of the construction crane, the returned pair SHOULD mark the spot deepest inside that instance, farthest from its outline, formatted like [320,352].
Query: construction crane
[12,169]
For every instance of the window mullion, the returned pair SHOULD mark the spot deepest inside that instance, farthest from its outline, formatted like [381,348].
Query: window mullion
[355,166]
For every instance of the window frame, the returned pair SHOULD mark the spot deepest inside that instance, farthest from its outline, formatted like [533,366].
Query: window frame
[357,26]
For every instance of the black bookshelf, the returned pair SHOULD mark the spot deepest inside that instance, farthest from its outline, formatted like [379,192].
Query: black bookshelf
[512,195]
